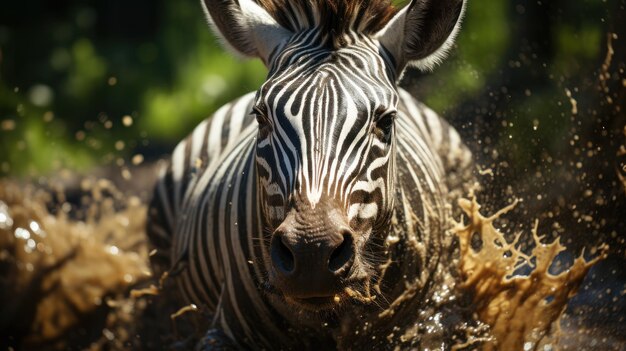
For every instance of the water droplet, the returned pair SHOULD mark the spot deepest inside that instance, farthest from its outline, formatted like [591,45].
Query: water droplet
[126,174]
[36,228]
[30,245]
[7,125]
[137,159]
[119,145]
[108,334]
[6,222]
[127,121]
[41,95]
[48,116]
[22,233]
[80,135]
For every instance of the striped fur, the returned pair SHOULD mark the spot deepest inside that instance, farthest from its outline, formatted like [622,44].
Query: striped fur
[328,123]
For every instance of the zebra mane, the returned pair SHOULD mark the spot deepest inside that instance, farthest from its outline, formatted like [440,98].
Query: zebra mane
[331,17]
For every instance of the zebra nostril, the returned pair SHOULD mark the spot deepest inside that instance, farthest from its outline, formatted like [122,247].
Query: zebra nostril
[341,257]
[281,255]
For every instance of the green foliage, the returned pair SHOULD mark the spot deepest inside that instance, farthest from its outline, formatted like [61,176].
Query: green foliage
[167,82]
[479,49]
[69,74]
[575,45]
[205,76]
[88,70]
[203,82]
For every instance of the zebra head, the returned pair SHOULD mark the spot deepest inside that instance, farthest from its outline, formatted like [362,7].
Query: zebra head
[326,129]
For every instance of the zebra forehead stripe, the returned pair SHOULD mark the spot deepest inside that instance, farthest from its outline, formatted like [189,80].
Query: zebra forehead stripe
[327,100]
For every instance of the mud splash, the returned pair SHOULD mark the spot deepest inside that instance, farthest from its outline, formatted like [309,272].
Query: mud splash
[621,153]
[523,310]
[61,276]
[77,276]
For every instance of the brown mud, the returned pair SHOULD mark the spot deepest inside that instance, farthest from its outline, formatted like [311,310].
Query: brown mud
[59,272]
[523,310]
[76,276]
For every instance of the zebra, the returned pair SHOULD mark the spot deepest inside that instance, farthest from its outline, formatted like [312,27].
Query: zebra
[313,212]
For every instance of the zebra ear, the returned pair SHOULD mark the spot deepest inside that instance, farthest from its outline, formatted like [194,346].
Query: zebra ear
[422,33]
[245,27]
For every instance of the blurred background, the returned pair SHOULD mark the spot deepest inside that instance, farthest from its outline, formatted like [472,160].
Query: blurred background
[536,88]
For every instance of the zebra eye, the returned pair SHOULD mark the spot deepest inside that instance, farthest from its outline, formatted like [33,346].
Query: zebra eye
[384,126]
[261,117]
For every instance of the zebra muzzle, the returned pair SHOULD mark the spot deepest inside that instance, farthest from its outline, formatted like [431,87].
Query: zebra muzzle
[311,263]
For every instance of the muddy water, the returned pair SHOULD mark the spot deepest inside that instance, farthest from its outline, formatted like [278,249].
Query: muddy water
[68,271]
[65,270]
[523,310]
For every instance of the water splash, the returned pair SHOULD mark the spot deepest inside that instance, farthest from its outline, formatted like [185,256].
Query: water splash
[523,310]
[58,270]
[63,269]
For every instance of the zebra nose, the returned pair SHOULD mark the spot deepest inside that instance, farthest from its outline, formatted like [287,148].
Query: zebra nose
[342,255]
[282,255]
[311,264]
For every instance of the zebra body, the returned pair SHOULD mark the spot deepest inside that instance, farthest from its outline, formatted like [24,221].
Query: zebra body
[315,145]
[207,195]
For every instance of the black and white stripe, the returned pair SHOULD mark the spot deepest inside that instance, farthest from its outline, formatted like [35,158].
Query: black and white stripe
[328,123]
